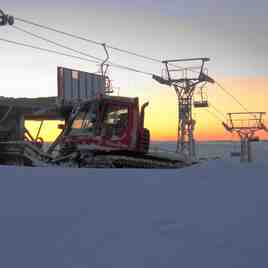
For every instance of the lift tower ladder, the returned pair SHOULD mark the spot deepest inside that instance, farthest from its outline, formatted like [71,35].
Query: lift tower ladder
[245,124]
[185,80]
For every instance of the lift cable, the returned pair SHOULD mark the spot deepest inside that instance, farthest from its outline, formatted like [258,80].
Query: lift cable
[119,66]
[108,46]
[73,56]
[57,31]
[232,96]
[55,43]
[99,60]
[214,115]
[91,41]
[45,49]
[80,52]
[217,110]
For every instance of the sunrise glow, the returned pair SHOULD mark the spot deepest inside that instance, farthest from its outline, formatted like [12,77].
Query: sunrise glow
[161,115]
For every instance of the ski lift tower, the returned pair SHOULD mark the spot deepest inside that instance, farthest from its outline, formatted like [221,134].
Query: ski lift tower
[245,125]
[185,80]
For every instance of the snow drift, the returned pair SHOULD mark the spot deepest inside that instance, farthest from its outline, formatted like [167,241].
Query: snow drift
[209,215]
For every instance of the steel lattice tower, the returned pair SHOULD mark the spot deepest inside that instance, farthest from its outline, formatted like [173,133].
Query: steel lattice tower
[245,125]
[185,81]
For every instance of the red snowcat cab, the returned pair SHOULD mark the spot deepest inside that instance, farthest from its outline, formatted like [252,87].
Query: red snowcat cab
[108,123]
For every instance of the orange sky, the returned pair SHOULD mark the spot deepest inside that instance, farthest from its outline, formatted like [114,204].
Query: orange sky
[161,115]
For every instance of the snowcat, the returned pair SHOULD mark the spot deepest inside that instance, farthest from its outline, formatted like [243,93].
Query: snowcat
[108,131]
[99,130]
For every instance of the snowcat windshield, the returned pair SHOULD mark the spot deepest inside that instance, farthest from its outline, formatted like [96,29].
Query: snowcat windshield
[85,121]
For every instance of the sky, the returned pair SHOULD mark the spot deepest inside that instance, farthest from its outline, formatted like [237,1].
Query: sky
[232,33]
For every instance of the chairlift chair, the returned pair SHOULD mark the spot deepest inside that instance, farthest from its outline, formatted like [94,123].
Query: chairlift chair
[202,101]
[201,104]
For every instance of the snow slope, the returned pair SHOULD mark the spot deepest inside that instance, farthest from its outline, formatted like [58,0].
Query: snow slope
[221,149]
[209,215]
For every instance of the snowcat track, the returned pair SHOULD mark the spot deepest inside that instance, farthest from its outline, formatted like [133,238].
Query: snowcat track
[132,162]
[119,160]
[25,154]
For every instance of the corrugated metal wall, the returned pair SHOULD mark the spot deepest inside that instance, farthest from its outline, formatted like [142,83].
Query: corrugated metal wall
[76,85]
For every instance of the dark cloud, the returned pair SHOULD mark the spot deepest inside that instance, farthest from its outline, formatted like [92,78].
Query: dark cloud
[171,7]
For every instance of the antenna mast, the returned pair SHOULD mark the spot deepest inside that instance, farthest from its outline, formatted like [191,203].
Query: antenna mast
[185,80]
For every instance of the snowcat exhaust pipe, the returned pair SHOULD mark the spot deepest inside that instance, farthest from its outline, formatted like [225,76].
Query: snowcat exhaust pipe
[143,114]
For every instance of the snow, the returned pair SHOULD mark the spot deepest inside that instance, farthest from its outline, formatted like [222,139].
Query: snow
[209,215]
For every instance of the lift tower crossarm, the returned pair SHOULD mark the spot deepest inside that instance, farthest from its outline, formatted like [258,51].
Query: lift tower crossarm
[187,59]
